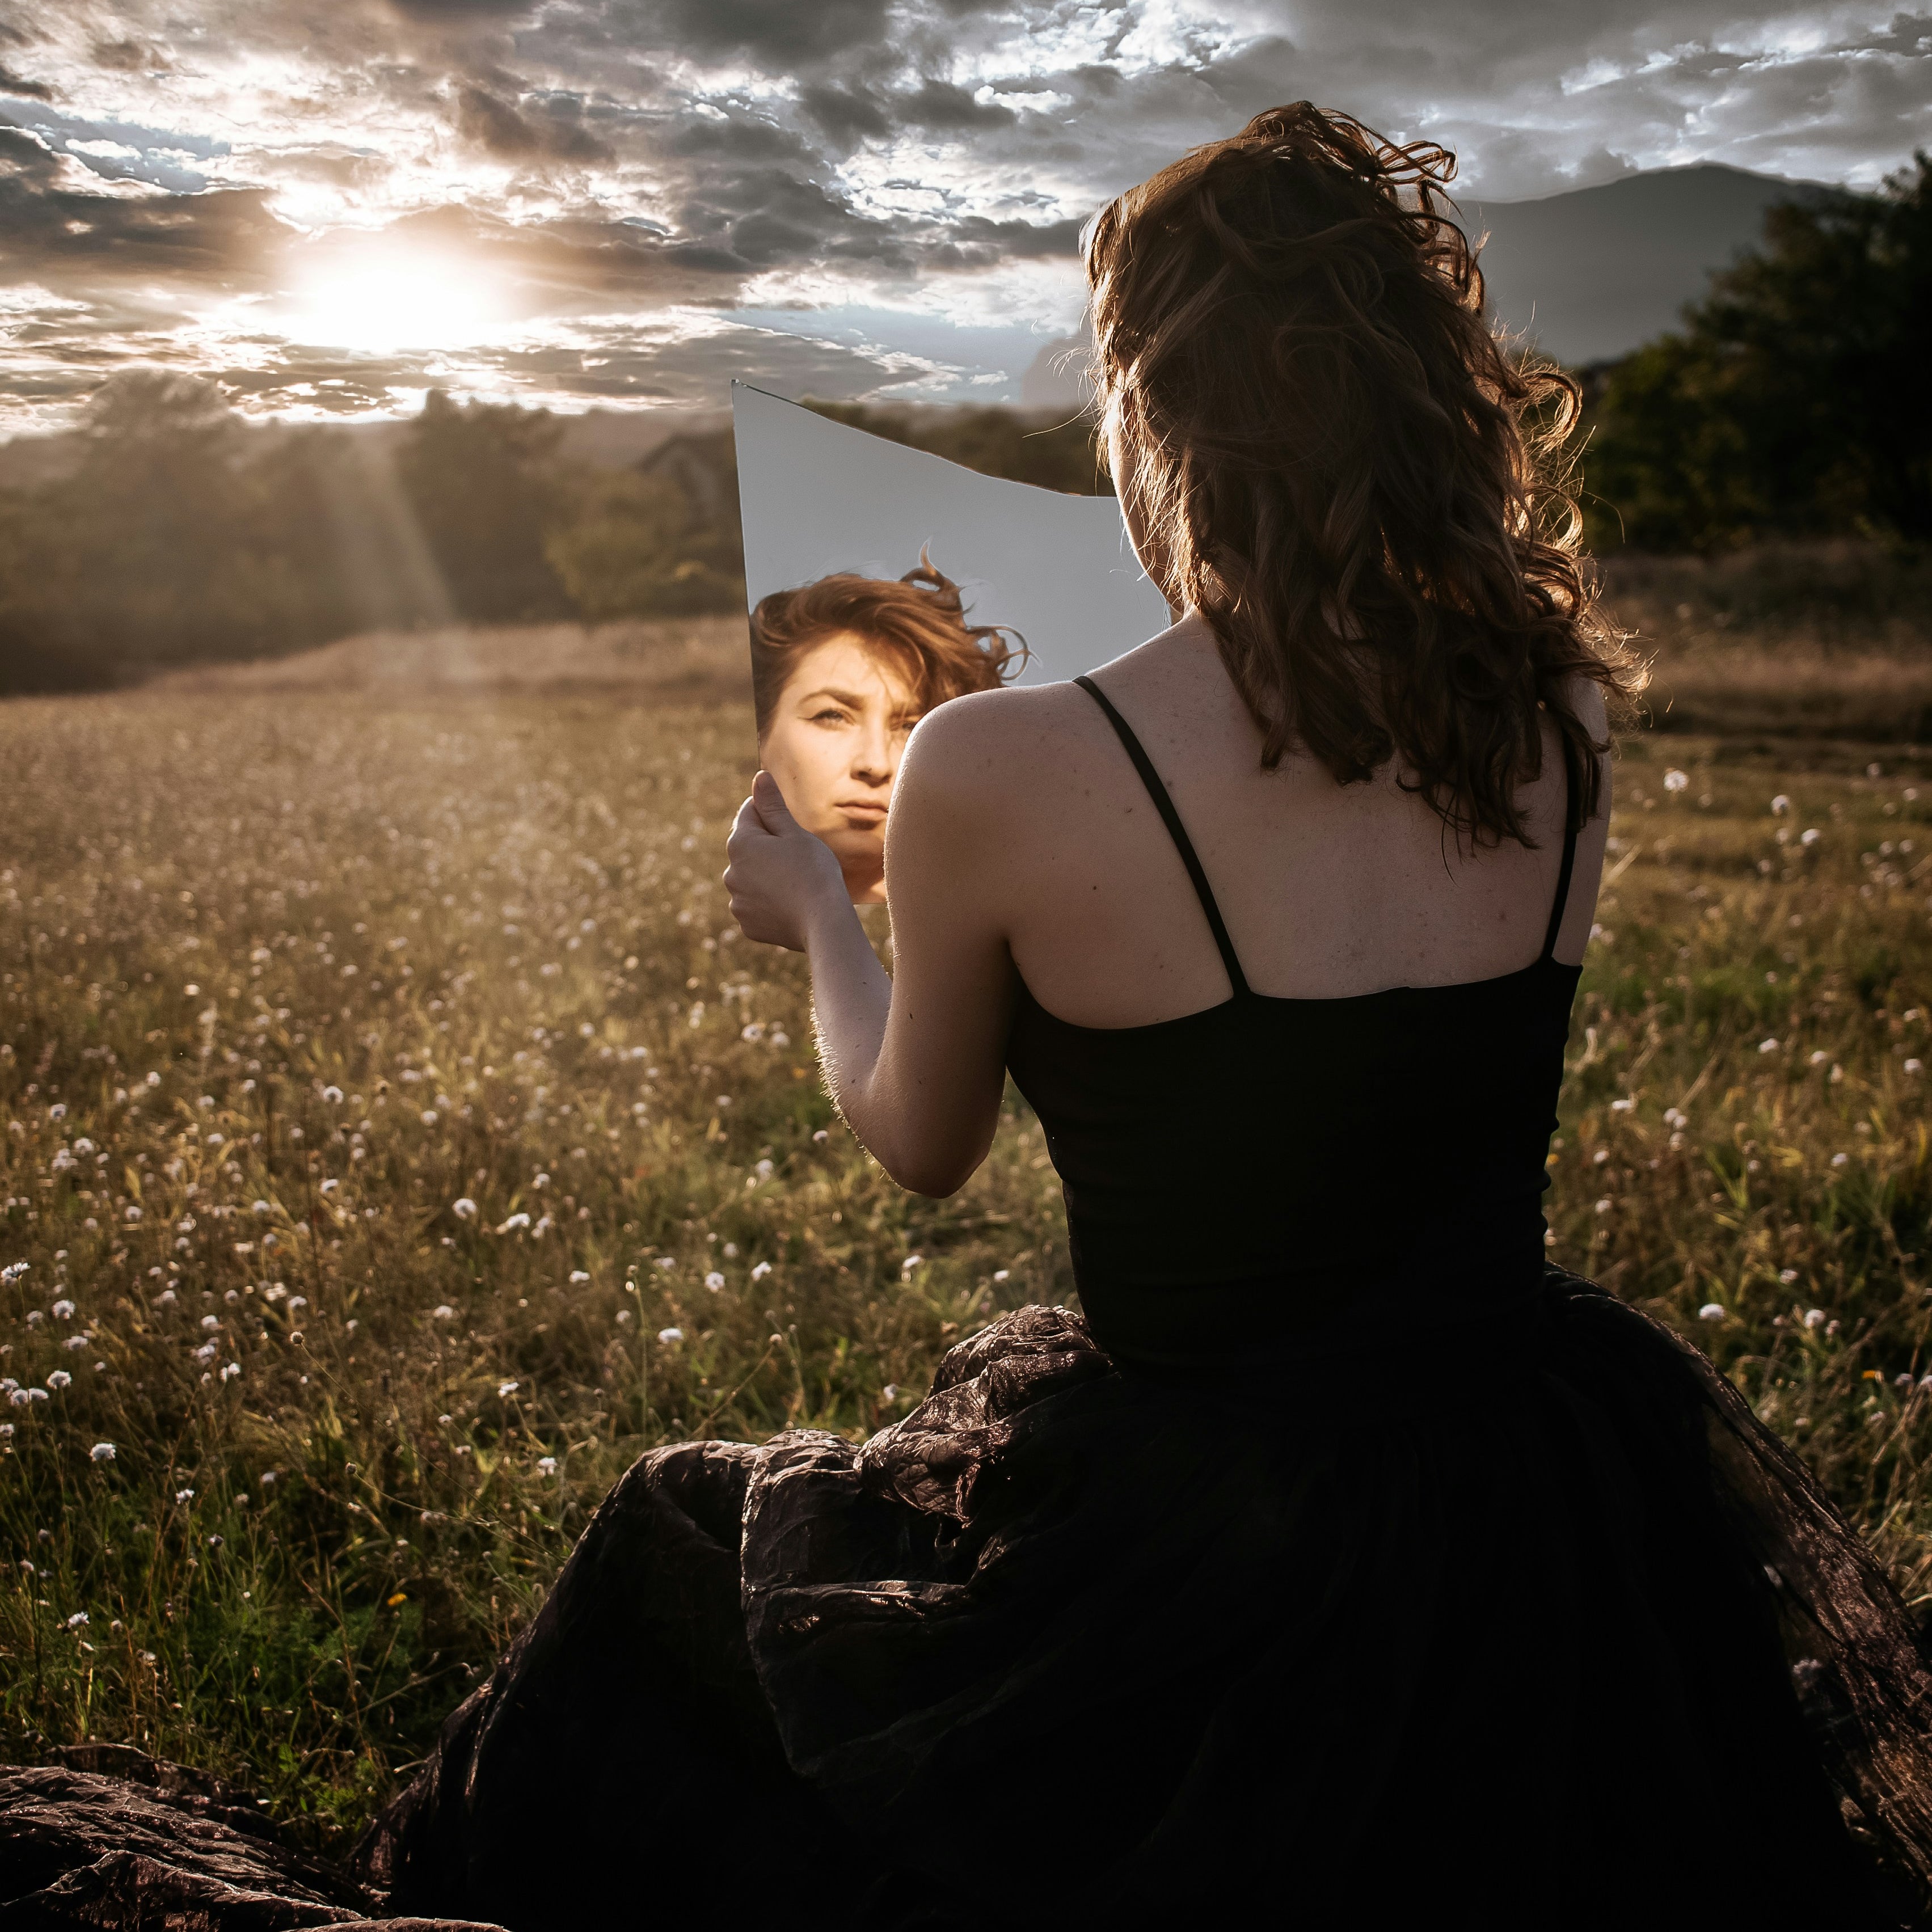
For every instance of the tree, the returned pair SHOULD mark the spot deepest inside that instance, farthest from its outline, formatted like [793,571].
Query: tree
[1796,400]
[484,482]
[173,534]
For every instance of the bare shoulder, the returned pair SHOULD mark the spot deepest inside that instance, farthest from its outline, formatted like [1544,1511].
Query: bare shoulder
[999,743]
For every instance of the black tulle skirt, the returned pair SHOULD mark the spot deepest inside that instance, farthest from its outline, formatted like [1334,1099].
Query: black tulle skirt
[1533,1625]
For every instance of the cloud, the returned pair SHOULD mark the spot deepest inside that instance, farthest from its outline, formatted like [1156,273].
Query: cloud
[55,229]
[182,176]
[463,12]
[551,130]
[777,31]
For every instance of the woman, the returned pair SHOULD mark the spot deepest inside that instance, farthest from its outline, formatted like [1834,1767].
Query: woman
[1344,1565]
[841,670]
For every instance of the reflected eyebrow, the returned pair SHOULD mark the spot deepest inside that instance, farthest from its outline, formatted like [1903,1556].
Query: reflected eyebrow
[849,699]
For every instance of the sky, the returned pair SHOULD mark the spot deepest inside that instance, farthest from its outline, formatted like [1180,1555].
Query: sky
[329,206]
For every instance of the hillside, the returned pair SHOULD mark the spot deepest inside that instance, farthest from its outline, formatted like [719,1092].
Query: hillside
[1592,274]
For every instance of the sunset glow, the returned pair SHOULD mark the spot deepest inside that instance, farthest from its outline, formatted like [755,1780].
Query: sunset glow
[388,303]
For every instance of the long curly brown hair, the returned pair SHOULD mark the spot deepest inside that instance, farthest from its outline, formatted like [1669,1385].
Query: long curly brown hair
[917,623]
[1334,460]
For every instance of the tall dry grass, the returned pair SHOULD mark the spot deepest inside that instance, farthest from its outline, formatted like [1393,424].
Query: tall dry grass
[395,1139]
[1824,641]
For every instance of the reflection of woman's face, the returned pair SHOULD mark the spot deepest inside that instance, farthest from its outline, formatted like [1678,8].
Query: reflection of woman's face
[833,741]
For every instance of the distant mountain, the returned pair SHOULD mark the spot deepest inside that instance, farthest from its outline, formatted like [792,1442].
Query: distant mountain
[1592,274]
[1589,274]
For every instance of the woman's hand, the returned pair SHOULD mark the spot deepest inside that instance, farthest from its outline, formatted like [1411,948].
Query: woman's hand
[779,875]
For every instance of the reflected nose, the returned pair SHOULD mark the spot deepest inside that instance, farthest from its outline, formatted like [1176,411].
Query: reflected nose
[872,759]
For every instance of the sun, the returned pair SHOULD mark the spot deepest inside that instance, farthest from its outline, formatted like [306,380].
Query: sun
[391,301]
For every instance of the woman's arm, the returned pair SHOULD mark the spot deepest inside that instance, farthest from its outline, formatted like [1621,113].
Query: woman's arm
[915,1062]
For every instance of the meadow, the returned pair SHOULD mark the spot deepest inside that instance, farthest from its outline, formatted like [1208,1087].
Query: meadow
[396,1139]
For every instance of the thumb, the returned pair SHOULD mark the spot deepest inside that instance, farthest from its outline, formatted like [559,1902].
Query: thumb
[769,802]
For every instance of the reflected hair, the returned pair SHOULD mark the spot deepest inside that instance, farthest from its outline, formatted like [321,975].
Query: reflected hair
[917,623]
[1346,471]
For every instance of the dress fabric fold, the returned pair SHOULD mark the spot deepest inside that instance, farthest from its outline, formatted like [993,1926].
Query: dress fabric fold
[1541,1623]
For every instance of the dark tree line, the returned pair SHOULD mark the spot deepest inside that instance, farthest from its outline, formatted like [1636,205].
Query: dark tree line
[170,532]
[1796,399]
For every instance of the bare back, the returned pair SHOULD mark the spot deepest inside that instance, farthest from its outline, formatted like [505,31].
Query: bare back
[1328,891]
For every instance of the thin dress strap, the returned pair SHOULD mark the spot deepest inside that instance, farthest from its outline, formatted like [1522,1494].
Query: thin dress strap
[1569,861]
[1171,819]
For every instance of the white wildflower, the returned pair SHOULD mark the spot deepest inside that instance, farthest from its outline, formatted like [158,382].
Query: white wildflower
[101,1452]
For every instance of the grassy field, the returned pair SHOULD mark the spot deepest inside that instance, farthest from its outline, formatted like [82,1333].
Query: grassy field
[395,1140]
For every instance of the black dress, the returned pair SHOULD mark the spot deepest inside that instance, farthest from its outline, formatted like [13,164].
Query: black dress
[1345,1565]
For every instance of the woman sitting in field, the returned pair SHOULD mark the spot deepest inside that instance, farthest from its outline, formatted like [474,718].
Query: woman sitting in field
[1345,1563]
[841,670]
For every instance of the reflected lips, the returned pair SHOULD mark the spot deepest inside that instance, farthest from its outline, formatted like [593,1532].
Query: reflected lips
[860,808]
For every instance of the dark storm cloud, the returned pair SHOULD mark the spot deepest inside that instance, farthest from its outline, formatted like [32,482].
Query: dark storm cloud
[552,131]
[11,82]
[52,227]
[849,113]
[779,31]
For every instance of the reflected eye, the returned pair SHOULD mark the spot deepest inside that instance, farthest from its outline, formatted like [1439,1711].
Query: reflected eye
[832,714]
